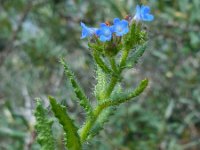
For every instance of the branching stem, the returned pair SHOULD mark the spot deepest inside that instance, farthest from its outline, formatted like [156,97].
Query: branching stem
[101,63]
[91,121]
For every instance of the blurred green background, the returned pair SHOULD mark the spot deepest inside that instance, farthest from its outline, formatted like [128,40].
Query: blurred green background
[35,33]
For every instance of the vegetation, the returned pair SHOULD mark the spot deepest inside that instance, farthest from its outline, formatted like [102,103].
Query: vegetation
[34,34]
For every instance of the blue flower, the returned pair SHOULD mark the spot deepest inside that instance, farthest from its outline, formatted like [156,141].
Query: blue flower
[143,13]
[104,32]
[87,31]
[120,27]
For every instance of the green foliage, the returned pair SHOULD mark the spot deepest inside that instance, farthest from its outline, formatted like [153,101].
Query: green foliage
[44,128]
[101,63]
[104,109]
[102,119]
[101,83]
[84,101]
[136,36]
[104,93]
[165,117]
[71,136]
[134,57]
[124,97]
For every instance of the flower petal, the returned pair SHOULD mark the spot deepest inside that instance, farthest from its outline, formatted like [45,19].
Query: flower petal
[124,23]
[116,20]
[138,9]
[98,32]
[87,31]
[148,17]
[143,13]
[145,9]
[104,32]
[103,25]
[103,38]
[126,30]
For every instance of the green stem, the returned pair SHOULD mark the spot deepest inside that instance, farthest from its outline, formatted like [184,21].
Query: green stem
[90,122]
[88,125]
[113,64]
[110,88]
[101,63]
[116,101]
[114,79]
[123,59]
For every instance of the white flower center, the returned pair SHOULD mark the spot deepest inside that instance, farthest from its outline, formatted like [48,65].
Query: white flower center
[106,32]
[119,28]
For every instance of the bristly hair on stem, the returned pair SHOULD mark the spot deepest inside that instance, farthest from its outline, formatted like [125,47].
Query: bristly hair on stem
[83,100]
[108,42]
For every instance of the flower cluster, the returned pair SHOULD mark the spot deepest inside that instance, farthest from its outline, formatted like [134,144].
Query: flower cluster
[119,27]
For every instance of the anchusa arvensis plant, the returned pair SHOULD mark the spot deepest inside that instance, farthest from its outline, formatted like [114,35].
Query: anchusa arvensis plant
[114,46]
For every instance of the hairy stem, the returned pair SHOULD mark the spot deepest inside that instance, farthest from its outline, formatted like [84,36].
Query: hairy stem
[123,59]
[91,121]
[101,63]
[140,88]
[114,80]
[110,88]
[113,64]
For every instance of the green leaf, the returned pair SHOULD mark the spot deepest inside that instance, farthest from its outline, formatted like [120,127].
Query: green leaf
[117,90]
[43,127]
[84,101]
[96,47]
[71,136]
[134,37]
[101,63]
[102,119]
[124,97]
[133,59]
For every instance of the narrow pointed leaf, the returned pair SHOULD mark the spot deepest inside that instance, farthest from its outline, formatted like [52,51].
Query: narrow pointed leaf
[135,36]
[101,63]
[84,101]
[43,127]
[102,119]
[133,59]
[124,97]
[71,136]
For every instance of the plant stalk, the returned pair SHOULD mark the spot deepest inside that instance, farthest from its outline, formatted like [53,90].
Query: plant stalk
[90,122]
